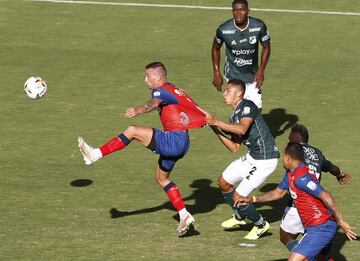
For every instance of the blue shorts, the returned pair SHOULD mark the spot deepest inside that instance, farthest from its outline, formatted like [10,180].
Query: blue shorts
[316,240]
[171,145]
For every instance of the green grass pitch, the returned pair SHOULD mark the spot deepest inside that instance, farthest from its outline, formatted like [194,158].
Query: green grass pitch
[53,207]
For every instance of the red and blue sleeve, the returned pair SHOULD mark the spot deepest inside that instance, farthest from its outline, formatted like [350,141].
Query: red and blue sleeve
[284,184]
[309,184]
[164,95]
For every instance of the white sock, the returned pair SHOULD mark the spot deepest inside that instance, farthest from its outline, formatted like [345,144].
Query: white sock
[182,213]
[97,154]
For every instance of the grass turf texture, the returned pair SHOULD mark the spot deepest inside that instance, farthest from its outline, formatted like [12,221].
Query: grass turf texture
[92,58]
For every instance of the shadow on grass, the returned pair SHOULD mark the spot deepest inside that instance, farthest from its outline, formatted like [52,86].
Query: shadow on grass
[337,244]
[279,121]
[206,199]
[81,182]
[277,208]
[191,232]
[272,214]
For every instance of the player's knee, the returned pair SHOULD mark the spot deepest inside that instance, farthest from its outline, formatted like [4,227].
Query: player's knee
[131,130]
[286,237]
[283,239]
[162,181]
[223,185]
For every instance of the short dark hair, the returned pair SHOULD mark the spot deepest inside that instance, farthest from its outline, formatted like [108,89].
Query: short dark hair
[300,133]
[155,65]
[243,2]
[238,83]
[295,151]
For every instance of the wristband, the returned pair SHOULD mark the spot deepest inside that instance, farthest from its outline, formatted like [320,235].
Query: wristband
[253,199]
[339,176]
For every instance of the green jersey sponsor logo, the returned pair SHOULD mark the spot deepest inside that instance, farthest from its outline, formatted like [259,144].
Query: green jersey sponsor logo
[242,48]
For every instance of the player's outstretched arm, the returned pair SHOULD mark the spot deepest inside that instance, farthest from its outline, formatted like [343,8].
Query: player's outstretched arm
[147,107]
[273,195]
[215,57]
[342,177]
[330,203]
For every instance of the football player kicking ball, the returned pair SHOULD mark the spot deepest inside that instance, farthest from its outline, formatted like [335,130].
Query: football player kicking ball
[317,208]
[178,114]
[248,126]
[291,226]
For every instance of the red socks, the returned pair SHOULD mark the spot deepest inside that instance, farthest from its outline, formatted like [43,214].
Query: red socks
[117,143]
[173,193]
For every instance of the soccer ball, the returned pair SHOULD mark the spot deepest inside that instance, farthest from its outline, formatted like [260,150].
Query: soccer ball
[35,87]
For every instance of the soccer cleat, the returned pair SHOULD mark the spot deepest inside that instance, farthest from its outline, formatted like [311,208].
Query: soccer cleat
[256,232]
[87,151]
[233,222]
[185,223]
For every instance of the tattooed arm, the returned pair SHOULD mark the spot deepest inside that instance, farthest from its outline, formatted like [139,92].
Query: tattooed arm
[147,107]
[275,194]
[330,203]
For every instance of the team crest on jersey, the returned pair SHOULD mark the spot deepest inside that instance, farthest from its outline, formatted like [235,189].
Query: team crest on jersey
[233,42]
[184,118]
[179,92]
[252,39]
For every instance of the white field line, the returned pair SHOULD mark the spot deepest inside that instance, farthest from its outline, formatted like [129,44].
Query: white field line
[194,7]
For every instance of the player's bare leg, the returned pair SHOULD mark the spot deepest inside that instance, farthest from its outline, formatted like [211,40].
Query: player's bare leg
[162,177]
[141,134]
[173,193]
[296,257]
[289,240]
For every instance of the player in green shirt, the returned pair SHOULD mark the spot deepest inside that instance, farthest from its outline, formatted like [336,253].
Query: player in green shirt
[247,126]
[242,35]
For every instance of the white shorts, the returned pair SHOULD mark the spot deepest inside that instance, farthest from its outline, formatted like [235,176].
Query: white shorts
[291,221]
[250,172]
[252,94]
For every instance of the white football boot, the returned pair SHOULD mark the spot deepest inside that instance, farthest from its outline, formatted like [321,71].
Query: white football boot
[87,151]
[185,223]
